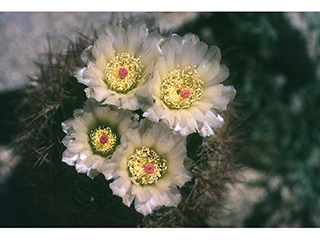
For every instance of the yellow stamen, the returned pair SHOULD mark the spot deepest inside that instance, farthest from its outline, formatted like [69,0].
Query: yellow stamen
[179,81]
[103,148]
[137,166]
[115,78]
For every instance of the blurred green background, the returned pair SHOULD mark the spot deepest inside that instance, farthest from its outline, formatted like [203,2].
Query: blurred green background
[275,69]
[274,65]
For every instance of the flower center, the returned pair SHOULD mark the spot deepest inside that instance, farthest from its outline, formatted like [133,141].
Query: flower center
[149,168]
[123,73]
[181,88]
[185,93]
[146,166]
[103,141]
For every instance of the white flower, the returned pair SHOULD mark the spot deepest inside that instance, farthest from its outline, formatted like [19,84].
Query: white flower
[93,135]
[186,86]
[150,167]
[119,64]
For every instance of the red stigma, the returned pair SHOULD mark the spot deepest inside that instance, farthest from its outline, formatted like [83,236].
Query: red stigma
[185,93]
[149,168]
[123,72]
[104,139]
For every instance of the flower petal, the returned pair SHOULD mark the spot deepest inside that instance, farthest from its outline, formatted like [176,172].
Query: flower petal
[120,186]
[216,79]
[69,157]
[213,54]
[213,91]
[106,47]
[169,53]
